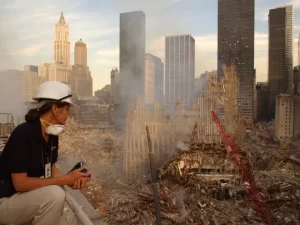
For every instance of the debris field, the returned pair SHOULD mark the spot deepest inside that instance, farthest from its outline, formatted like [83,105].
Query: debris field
[199,184]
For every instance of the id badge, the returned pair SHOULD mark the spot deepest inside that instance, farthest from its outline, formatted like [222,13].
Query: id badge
[48,170]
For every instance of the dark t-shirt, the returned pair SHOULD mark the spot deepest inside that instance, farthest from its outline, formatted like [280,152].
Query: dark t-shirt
[27,151]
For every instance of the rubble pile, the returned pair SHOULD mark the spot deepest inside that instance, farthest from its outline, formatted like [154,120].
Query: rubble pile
[101,150]
[200,184]
[276,171]
[178,204]
[91,114]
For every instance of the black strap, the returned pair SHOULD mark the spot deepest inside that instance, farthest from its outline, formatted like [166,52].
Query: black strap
[68,96]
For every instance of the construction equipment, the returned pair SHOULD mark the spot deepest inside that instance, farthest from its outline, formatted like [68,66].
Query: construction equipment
[258,201]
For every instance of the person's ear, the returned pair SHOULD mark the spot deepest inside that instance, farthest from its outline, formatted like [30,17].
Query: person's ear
[54,109]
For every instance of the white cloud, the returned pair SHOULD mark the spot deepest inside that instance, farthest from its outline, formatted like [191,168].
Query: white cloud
[207,44]
[262,15]
[295,3]
[110,52]
[28,51]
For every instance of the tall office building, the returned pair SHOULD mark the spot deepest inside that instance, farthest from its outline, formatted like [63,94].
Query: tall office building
[80,53]
[280,54]
[132,56]
[80,79]
[115,86]
[179,69]
[154,79]
[236,43]
[60,68]
[61,42]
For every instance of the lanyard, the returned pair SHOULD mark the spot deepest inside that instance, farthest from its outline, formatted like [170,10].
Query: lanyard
[49,160]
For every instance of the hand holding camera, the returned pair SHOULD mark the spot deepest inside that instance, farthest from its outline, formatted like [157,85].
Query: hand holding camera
[79,176]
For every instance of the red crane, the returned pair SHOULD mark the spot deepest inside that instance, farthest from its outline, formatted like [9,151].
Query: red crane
[257,199]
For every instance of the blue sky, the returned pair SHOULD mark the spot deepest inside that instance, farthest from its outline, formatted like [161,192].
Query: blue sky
[27,30]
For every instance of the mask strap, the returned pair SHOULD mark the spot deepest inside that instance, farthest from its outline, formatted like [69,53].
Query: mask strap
[45,122]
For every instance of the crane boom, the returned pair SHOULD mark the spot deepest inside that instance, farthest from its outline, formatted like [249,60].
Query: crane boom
[257,199]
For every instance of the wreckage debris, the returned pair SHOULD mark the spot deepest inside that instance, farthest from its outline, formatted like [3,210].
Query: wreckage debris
[192,189]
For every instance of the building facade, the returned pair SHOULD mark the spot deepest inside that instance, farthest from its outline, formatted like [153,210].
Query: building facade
[132,56]
[80,78]
[296,78]
[179,69]
[202,82]
[31,68]
[81,81]
[296,121]
[284,117]
[149,79]
[115,86]
[262,101]
[31,82]
[61,42]
[80,53]
[280,75]
[236,43]
[60,68]
[154,79]
[104,94]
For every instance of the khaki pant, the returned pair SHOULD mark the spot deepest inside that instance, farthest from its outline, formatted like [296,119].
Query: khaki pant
[43,206]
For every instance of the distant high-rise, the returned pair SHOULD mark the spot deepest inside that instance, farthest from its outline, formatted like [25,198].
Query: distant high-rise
[115,86]
[80,79]
[80,53]
[154,79]
[61,42]
[132,56]
[280,54]
[31,68]
[179,69]
[236,43]
[60,68]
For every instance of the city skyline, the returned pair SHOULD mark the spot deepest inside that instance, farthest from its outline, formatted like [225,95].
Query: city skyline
[97,23]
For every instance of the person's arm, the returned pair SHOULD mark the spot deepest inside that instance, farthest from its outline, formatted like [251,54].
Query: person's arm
[56,172]
[24,183]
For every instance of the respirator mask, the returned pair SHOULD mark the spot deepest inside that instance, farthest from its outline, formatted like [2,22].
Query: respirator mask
[52,129]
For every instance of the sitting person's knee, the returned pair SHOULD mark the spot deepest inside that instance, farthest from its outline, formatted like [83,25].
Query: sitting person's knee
[55,193]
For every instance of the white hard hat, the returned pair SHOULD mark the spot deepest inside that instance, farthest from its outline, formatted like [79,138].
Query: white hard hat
[53,90]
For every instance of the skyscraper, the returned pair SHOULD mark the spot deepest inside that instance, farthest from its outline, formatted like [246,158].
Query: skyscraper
[61,42]
[236,43]
[280,54]
[80,79]
[179,69]
[154,79]
[132,56]
[80,53]
[115,86]
[60,68]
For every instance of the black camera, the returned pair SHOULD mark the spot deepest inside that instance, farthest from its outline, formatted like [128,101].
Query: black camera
[79,165]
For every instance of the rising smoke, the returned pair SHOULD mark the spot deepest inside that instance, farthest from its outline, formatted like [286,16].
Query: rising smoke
[11,95]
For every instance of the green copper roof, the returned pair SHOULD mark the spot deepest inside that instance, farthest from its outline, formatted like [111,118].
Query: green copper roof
[62,19]
[80,42]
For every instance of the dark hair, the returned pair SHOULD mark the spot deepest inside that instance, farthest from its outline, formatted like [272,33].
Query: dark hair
[34,114]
